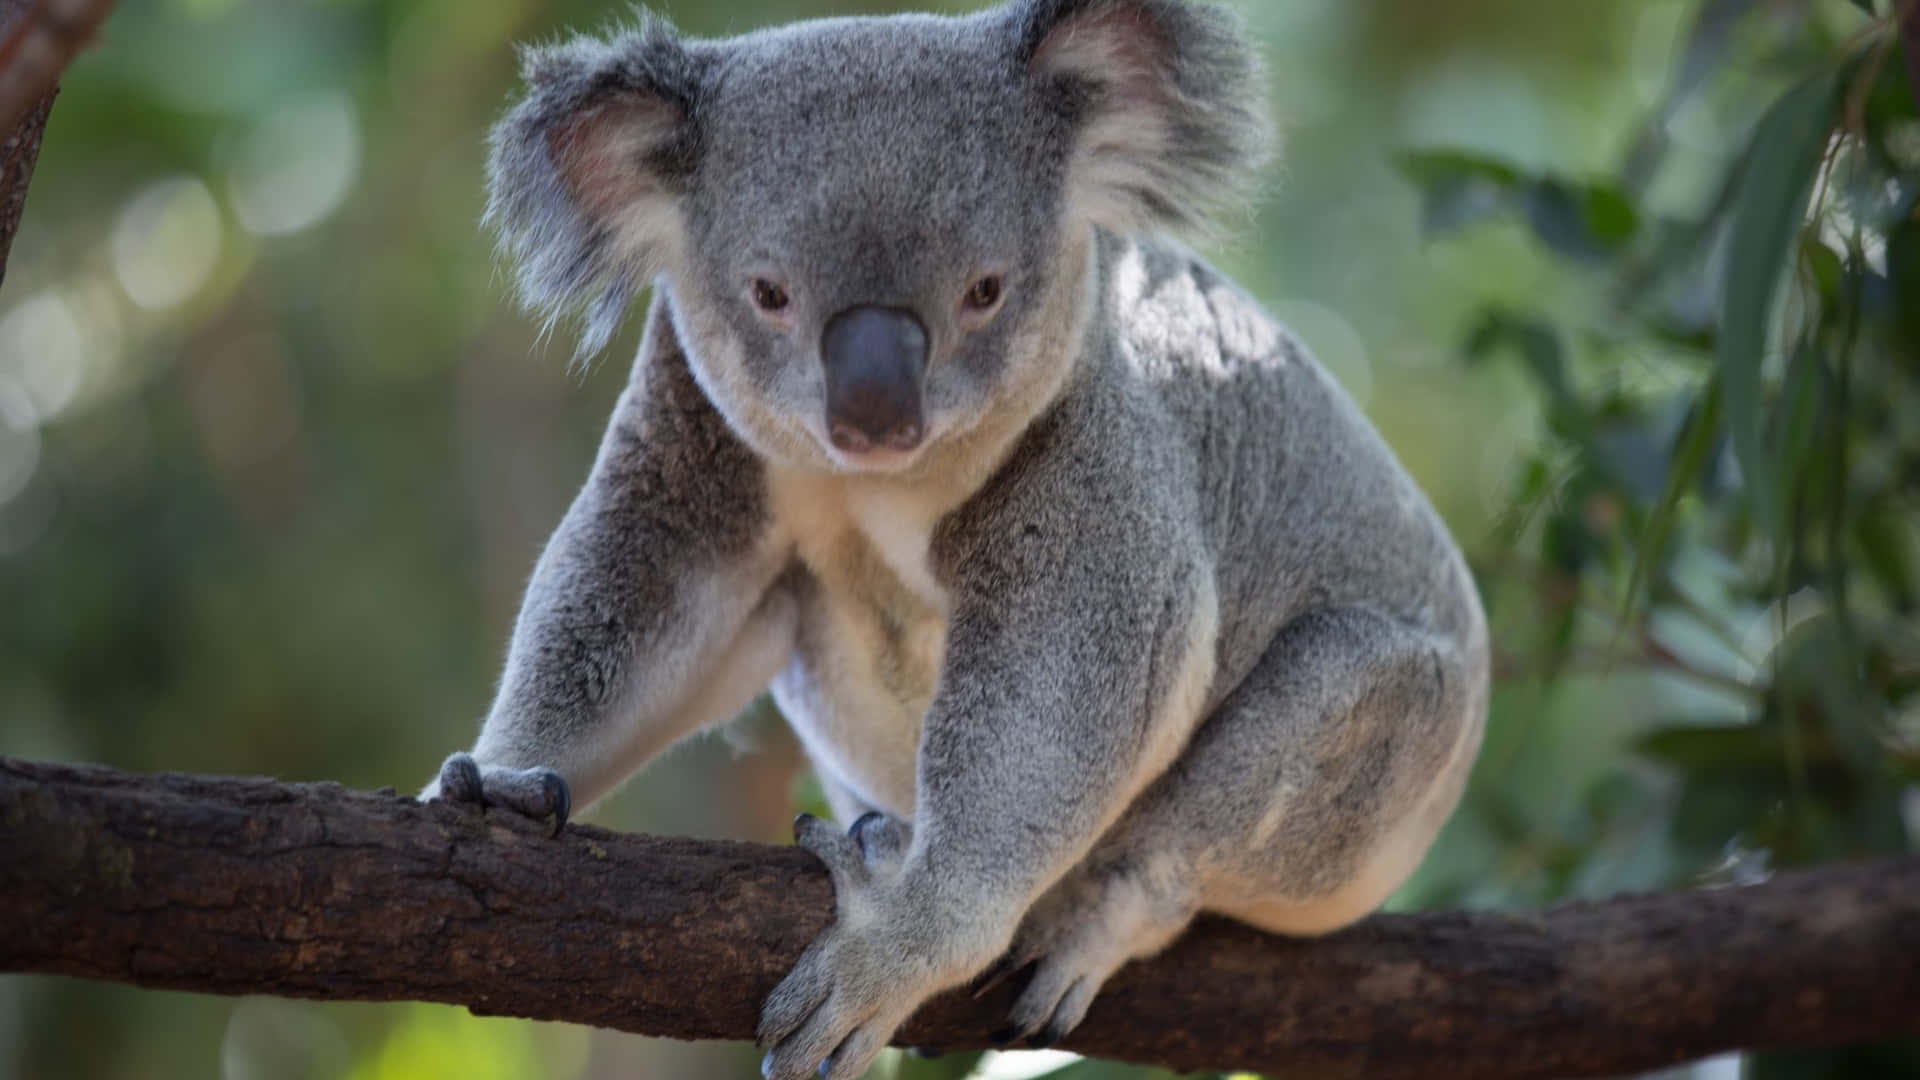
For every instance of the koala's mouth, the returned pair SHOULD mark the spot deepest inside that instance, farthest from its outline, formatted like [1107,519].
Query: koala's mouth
[875,362]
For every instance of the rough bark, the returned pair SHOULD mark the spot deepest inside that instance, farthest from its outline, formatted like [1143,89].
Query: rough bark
[233,886]
[37,40]
[20,145]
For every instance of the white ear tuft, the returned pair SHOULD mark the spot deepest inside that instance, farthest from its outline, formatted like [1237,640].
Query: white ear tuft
[586,170]
[1165,101]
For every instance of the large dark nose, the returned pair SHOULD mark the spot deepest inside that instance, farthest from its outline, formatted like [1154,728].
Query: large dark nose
[876,363]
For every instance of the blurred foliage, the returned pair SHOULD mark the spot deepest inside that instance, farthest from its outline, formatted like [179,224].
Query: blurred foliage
[1632,285]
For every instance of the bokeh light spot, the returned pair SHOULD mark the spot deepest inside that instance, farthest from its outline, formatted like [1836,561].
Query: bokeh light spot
[296,166]
[43,350]
[166,243]
[19,439]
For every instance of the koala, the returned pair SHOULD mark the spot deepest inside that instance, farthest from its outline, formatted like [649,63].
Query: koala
[1093,600]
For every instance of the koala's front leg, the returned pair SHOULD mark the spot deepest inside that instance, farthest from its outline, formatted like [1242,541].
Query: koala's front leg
[652,612]
[1079,652]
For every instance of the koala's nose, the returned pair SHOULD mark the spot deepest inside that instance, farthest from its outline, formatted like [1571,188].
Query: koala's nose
[876,362]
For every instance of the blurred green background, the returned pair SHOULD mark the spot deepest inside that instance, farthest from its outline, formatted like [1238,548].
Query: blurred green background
[277,451]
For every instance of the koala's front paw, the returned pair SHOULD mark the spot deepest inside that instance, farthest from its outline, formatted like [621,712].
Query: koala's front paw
[537,793]
[861,979]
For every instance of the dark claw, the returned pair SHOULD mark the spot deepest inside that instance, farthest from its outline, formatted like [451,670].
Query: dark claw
[800,822]
[858,830]
[467,787]
[925,1054]
[995,974]
[1044,1039]
[1006,1035]
[559,798]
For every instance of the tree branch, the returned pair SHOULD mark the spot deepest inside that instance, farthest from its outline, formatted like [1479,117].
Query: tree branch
[234,886]
[19,149]
[19,137]
[37,40]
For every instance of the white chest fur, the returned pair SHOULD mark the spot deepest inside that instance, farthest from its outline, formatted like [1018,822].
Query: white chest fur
[872,629]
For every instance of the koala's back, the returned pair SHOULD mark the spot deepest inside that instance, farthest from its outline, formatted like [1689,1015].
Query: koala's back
[1304,506]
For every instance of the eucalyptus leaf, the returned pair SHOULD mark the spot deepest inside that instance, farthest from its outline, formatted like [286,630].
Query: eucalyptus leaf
[1584,222]
[1690,457]
[1786,153]
[1458,189]
[1695,747]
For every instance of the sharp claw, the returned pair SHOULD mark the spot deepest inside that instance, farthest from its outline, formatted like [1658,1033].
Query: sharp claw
[800,822]
[1047,1037]
[559,798]
[858,830]
[467,787]
[994,975]
[1006,1035]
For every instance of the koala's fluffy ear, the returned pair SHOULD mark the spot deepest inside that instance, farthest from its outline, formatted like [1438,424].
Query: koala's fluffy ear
[1165,101]
[586,171]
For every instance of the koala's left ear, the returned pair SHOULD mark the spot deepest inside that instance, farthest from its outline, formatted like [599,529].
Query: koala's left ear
[1164,100]
[586,171]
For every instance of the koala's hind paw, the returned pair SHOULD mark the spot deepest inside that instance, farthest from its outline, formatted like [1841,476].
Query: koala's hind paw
[537,793]
[1079,939]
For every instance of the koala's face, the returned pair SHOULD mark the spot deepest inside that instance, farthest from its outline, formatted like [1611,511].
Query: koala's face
[873,221]
[875,231]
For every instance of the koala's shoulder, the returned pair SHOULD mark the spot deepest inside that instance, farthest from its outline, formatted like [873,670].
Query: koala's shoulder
[1181,317]
[669,444]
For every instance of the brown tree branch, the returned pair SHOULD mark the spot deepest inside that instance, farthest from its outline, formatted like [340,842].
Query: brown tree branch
[237,886]
[19,138]
[19,149]
[38,38]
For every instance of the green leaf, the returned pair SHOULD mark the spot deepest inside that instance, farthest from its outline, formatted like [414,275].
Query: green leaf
[1903,275]
[1823,263]
[1579,221]
[1429,166]
[1887,551]
[1818,675]
[1576,220]
[1769,209]
[1458,189]
[1798,470]
[1699,749]
[1696,440]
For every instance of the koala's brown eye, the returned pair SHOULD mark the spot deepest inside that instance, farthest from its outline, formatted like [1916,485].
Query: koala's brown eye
[984,294]
[769,297]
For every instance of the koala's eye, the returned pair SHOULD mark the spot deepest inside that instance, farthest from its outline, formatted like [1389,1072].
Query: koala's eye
[984,293]
[769,297]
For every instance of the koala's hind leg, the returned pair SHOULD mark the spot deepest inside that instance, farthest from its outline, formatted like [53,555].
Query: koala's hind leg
[1301,802]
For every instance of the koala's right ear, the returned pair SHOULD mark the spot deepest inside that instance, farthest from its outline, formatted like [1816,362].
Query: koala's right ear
[1164,100]
[586,171]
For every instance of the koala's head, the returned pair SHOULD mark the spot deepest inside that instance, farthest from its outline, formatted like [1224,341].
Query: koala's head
[875,230]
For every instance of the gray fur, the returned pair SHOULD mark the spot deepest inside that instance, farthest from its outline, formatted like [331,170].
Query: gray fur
[1152,622]
[563,250]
